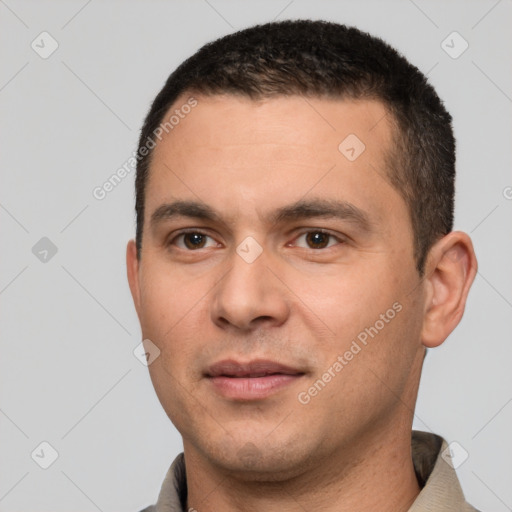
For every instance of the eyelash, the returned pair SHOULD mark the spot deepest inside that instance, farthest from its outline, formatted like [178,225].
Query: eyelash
[302,233]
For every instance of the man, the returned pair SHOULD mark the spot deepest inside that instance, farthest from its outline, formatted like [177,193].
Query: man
[294,259]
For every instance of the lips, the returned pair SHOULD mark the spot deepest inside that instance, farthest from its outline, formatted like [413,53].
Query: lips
[253,369]
[252,380]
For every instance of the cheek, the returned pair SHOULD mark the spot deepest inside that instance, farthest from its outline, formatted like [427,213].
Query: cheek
[174,316]
[374,327]
[351,301]
[165,298]
[368,367]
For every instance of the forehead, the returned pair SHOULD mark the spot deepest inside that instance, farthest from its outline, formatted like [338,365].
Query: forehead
[233,152]
[220,119]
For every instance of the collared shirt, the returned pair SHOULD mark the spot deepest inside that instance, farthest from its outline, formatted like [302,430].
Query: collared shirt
[440,488]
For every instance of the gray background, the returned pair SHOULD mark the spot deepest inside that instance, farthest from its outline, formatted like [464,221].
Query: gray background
[68,122]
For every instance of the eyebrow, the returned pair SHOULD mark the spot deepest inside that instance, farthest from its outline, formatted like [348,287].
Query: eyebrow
[300,210]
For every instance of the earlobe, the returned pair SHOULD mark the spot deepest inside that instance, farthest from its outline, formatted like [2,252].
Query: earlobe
[132,270]
[452,267]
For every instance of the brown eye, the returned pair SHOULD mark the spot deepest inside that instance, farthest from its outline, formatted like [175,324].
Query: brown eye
[317,239]
[193,240]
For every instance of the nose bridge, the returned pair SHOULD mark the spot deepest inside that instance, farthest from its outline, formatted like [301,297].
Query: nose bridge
[249,291]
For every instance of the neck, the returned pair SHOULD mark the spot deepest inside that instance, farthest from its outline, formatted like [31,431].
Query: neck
[374,473]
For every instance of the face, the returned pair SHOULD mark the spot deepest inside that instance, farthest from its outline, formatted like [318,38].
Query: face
[277,279]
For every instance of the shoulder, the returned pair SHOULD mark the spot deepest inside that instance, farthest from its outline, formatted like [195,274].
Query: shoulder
[173,492]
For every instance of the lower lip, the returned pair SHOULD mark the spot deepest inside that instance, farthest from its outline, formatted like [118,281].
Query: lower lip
[252,388]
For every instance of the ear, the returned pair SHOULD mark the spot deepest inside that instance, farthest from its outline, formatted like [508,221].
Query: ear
[450,271]
[132,268]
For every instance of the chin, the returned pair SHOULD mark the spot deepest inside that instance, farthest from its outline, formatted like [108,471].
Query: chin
[260,461]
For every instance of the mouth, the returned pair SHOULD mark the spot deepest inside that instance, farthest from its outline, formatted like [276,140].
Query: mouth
[253,380]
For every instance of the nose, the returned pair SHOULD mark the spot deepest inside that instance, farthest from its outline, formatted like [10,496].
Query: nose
[250,294]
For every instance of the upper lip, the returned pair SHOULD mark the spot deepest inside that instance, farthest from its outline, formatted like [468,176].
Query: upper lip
[255,368]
